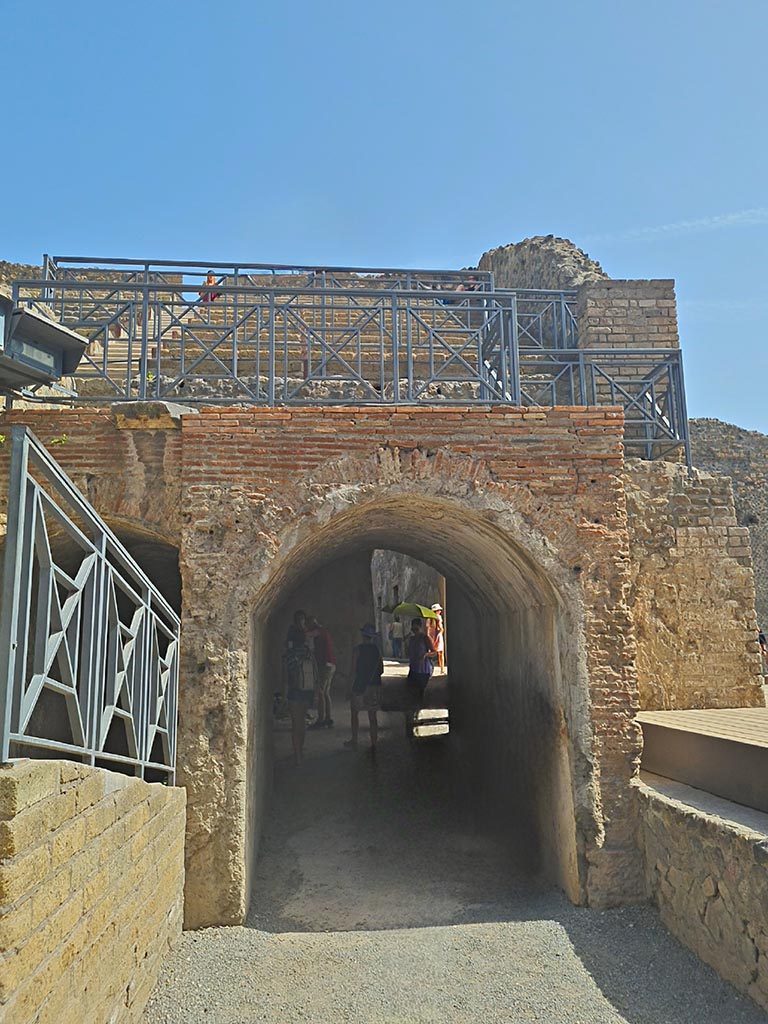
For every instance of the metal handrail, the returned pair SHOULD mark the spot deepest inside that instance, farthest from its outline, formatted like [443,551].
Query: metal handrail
[410,277]
[99,636]
[293,343]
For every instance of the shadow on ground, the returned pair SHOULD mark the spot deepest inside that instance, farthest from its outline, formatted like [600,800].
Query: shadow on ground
[357,842]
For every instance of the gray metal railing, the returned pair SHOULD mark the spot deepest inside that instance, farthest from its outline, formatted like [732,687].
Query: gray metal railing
[272,344]
[271,335]
[88,645]
[193,274]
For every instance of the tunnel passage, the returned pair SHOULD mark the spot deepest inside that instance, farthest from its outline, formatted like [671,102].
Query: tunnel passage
[517,686]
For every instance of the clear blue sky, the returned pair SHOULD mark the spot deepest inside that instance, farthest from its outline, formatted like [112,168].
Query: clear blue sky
[408,133]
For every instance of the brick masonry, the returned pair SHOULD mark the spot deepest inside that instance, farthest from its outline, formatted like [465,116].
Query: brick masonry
[91,882]
[627,314]
[532,508]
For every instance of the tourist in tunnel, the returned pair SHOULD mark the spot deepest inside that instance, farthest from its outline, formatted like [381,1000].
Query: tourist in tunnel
[436,633]
[325,664]
[300,680]
[367,670]
[396,637]
[420,653]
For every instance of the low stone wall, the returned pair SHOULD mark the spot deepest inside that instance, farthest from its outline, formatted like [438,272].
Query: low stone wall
[91,882]
[707,870]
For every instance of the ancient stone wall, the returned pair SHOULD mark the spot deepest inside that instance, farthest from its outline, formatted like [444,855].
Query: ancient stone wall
[10,272]
[541,262]
[741,455]
[692,592]
[707,871]
[257,499]
[126,460]
[414,580]
[269,491]
[91,883]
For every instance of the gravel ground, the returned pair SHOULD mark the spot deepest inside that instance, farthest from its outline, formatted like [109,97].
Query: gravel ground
[377,900]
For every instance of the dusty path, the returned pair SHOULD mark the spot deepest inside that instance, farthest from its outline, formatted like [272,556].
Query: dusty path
[377,901]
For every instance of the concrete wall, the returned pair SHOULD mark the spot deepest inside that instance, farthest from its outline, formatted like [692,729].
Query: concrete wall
[91,881]
[692,591]
[707,871]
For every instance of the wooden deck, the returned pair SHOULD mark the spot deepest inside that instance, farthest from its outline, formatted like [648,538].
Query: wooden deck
[721,751]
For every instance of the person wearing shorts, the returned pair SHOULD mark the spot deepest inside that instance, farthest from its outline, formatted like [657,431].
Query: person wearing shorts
[325,659]
[367,670]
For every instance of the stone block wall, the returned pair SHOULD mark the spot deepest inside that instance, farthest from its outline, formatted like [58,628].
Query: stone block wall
[741,455]
[707,871]
[414,580]
[627,314]
[247,493]
[692,593]
[91,882]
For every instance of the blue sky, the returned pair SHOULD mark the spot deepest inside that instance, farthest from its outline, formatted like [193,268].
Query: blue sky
[409,134]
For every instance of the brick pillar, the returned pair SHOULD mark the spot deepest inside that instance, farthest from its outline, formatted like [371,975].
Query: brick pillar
[627,314]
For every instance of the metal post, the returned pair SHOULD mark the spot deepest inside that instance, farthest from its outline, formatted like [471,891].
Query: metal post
[235,308]
[97,654]
[409,349]
[144,338]
[682,407]
[12,571]
[395,350]
[271,351]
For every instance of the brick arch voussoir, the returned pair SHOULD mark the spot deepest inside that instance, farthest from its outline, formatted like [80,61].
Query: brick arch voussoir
[288,517]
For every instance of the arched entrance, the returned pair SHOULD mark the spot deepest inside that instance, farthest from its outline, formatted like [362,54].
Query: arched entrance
[524,675]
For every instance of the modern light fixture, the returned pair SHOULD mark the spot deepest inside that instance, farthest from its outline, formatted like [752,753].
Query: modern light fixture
[34,349]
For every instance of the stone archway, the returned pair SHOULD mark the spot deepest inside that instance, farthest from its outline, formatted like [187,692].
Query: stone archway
[545,586]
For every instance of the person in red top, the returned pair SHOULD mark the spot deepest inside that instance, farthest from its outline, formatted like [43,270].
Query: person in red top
[207,294]
[325,659]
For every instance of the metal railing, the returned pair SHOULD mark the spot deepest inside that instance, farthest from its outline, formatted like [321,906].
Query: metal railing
[647,383]
[273,335]
[269,343]
[238,275]
[88,645]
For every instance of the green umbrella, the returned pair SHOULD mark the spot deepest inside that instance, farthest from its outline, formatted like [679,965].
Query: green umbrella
[413,611]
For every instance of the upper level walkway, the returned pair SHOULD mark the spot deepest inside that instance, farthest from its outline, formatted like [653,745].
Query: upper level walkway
[279,334]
